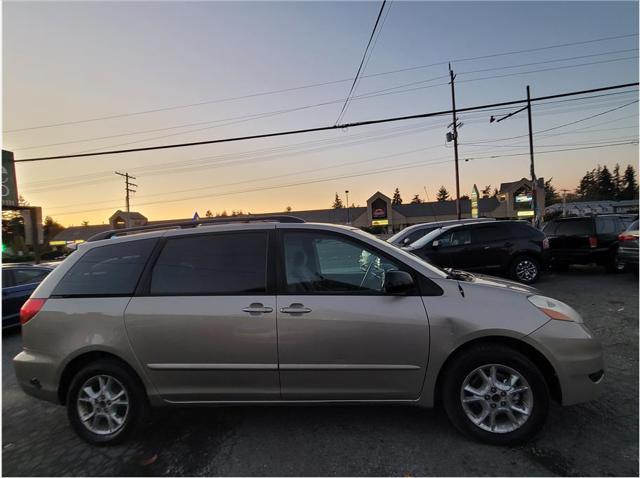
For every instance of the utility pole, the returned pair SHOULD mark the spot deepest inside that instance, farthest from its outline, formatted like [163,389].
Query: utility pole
[564,202]
[348,208]
[128,186]
[454,124]
[533,170]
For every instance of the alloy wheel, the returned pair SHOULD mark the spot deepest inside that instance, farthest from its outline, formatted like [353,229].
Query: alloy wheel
[526,270]
[496,398]
[103,404]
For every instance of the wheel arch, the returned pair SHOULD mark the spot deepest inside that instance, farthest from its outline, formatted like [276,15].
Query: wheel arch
[539,360]
[83,359]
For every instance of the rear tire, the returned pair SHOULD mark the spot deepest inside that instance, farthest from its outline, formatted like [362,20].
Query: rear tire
[525,269]
[106,402]
[519,406]
[613,265]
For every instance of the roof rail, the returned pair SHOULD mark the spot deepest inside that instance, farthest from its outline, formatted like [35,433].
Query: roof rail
[192,223]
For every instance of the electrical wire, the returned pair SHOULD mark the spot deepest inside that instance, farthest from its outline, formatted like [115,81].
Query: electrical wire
[314,85]
[323,128]
[364,56]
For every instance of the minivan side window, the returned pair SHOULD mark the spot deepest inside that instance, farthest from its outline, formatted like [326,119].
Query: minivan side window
[212,264]
[111,270]
[327,264]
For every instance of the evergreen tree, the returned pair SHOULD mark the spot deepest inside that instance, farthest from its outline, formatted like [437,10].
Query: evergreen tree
[617,181]
[587,189]
[630,185]
[443,194]
[416,199]
[605,184]
[396,198]
[337,203]
[50,229]
[551,196]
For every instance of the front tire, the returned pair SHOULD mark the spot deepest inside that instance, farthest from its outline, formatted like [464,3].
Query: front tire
[495,394]
[105,402]
[525,269]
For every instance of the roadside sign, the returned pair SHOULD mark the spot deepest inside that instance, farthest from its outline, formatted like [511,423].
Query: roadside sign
[9,184]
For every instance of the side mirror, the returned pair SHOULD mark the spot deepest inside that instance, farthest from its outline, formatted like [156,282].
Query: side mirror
[435,244]
[406,241]
[397,282]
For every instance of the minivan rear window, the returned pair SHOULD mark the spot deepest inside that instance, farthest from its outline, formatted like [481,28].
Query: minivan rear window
[212,264]
[111,270]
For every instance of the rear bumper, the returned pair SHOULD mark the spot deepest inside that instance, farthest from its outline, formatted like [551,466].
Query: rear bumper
[628,255]
[584,256]
[576,357]
[36,375]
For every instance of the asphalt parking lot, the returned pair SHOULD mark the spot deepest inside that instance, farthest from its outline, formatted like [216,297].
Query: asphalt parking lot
[597,439]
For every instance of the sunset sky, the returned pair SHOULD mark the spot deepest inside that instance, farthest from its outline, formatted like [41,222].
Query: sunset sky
[72,62]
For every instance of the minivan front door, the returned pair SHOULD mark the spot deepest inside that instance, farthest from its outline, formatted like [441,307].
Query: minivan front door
[205,328]
[340,337]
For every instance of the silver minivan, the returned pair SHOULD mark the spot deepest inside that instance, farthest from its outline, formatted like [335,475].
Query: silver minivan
[276,311]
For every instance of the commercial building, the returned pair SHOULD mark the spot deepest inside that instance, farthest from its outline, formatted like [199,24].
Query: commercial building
[514,200]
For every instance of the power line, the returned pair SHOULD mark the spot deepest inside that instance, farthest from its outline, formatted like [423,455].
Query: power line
[372,94]
[411,165]
[364,56]
[559,126]
[183,166]
[314,85]
[324,128]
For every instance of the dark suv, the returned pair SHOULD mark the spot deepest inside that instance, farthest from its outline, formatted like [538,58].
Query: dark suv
[586,240]
[511,248]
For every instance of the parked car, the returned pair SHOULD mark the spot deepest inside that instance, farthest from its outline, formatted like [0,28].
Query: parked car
[18,282]
[511,248]
[628,247]
[270,312]
[585,240]
[410,234]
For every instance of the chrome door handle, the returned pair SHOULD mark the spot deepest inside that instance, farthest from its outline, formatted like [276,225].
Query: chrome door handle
[257,308]
[295,309]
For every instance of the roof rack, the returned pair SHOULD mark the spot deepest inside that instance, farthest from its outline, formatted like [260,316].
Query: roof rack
[192,223]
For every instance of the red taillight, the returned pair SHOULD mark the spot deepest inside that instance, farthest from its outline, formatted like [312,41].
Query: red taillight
[545,243]
[30,308]
[593,241]
[626,237]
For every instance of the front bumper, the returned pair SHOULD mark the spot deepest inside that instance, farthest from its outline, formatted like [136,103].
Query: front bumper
[576,357]
[36,374]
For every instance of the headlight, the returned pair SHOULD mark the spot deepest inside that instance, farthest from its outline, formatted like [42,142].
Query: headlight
[554,309]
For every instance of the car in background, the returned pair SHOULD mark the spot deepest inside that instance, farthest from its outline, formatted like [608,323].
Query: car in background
[411,234]
[628,247]
[18,282]
[511,248]
[586,240]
